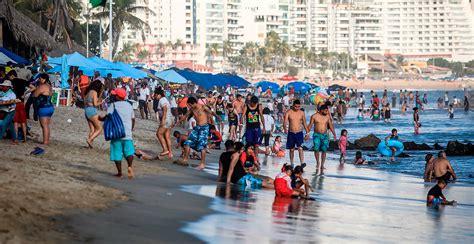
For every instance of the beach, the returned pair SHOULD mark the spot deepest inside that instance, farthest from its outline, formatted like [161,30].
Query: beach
[69,195]
[391,85]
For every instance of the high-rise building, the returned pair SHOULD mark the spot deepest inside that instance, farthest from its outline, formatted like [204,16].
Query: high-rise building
[428,28]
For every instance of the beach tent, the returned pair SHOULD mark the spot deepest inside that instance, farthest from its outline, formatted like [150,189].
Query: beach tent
[299,86]
[4,59]
[268,84]
[75,59]
[15,58]
[171,76]
[129,71]
[209,81]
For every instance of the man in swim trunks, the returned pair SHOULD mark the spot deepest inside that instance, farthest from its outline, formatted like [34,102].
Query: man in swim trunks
[197,140]
[443,169]
[239,106]
[297,122]
[253,115]
[322,123]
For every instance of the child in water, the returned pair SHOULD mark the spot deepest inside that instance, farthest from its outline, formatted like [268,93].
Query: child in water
[277,148]
[283,183]
[435,196]
[451,111]
[360,160]
[387,113]
[360,114]
[342,146]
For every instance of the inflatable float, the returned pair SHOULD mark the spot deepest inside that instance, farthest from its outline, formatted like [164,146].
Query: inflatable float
[384,149]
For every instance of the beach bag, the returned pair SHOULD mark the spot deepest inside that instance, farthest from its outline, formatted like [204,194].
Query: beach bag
[113,126]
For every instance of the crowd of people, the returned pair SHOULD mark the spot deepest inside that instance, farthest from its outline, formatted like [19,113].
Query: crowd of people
[248,121]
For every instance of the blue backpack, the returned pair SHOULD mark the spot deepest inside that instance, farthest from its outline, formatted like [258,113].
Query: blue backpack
[113,126]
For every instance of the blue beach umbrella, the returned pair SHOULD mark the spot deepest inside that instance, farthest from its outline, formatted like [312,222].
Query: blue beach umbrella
[268,84]
[299,86]
[171,76]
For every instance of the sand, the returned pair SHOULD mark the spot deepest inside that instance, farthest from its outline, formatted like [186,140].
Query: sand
[37,190]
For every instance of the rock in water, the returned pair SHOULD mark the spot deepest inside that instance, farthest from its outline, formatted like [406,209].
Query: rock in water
[411,146]
[403,155]
[456,148]
[369,142]
[436,146]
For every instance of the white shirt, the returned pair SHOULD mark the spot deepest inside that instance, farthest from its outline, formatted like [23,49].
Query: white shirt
[165,103]
[270,106]
[9,95]
[143,93]
[269,122]
[173,102]
[286,100]
[125,110]
[191,122]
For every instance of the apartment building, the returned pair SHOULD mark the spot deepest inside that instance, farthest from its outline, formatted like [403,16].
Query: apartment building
[421,29]
[345,28]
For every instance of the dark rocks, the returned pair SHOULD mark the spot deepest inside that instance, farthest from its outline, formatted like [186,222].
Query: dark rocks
[456,148]
[436,146]
[411,146]
[369,142]
[403,155]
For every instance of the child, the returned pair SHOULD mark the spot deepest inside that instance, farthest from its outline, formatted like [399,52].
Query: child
[215,138]
[360,160]
[451,111]
[404,107]
[191,124]
[283,183]
[297,180]
[435,196]
[269,127]
[233,119]
[387,113]
[180,139]
[277,148]
[360,114]
[342,146]
[248,158]
[393,136]
[339,111]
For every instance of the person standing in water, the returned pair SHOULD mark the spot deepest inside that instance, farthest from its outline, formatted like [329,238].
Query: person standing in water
[416,121]
[451,111]
[393,136]
[197,139]
[322,123]
[343,146]
[297,122]
[466,103]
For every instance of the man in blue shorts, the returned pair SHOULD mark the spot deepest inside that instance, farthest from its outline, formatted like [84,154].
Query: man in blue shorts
[124,147]
[253,115]
[322,122]
[297,122]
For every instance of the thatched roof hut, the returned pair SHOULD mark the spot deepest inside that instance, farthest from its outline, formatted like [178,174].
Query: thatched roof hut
[27,31]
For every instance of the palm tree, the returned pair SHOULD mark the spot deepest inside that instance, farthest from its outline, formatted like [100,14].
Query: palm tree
[59,15]
[123,14]
[227,49]
[142,55]
[212,52]
[126,54]
[160,50]
[177,44]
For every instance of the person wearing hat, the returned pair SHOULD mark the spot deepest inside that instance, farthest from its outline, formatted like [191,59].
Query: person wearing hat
[7,108]
[123,147]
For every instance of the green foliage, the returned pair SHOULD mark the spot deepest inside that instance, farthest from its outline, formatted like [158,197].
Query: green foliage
[440,62]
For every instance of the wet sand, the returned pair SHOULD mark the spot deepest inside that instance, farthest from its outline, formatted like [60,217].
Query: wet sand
[37,191]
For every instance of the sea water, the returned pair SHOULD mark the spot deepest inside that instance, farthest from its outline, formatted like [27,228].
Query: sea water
[380,203]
